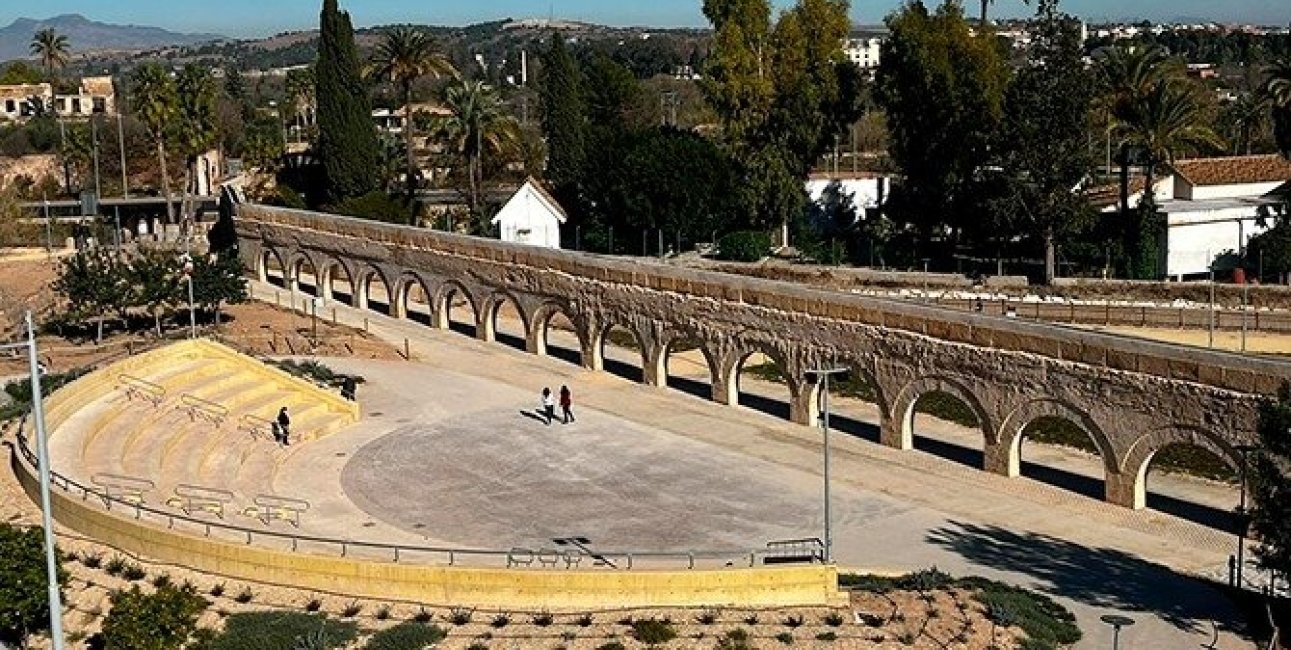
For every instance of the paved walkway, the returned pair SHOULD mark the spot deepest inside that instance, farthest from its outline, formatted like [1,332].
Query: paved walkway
[757,475]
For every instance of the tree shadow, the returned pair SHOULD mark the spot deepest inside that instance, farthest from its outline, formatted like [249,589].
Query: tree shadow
[1098,577]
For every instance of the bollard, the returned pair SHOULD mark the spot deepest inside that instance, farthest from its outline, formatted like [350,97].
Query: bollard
[277,299]
[365,325]
[407,350]
[333,316]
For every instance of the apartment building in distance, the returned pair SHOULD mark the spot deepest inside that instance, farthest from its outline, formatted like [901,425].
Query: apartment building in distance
[93,96]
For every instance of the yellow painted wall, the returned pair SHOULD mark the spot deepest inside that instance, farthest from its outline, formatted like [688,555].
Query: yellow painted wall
[558,590]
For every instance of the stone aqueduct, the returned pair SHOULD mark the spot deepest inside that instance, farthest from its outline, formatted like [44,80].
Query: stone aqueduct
[1132,397]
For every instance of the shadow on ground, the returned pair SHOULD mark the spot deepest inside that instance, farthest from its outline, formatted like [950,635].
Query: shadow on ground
[1098,577]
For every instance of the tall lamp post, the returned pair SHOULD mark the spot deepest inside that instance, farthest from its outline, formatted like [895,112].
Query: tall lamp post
[1242,517]
[42,455]
[192,311]
[821,376]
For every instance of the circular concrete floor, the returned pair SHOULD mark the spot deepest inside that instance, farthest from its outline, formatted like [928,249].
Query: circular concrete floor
[501,478]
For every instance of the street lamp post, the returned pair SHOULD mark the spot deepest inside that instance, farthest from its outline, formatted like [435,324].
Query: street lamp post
[1117,622]
[1241,513]
[192,311]
[822,376]
[42,455]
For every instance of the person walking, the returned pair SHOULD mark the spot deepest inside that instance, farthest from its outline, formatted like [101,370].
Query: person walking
[548,405]
[567,404]
[284,427]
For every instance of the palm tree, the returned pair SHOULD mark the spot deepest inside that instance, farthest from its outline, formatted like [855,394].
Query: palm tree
[476,124]
[1243,120]
[156,105]
[404,56]
[1278,89]
[300,92]
[1169,120]
[195,108]
[53,50]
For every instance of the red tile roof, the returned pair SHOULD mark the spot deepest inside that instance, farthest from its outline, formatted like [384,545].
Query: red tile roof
[1235,170]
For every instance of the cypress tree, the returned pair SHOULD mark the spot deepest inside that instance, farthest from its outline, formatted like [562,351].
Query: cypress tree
[347,141]
[562,119]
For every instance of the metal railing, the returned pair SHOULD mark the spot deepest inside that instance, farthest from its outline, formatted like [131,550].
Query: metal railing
[204,409]
[127,488]
[377,551]
[257,426]
[142,389]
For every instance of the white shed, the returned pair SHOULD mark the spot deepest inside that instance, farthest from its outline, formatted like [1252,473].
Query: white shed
[532,216]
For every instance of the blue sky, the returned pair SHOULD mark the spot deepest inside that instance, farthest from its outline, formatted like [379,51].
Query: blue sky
[261,17]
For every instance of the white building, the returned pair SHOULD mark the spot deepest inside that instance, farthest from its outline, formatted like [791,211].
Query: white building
[94,96]
[864,52]
[868,191]
[532,216]
[1213,206]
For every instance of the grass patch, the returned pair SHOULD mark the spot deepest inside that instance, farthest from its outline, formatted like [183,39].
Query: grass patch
[653,631]
[1047,624]
[314,371]
[406,636]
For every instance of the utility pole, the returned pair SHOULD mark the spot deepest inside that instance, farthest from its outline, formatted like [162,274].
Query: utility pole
[121,144]
[47,519]
[822,375]
[94,137]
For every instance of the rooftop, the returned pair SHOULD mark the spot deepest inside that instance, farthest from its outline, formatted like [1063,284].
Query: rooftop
[1235,170]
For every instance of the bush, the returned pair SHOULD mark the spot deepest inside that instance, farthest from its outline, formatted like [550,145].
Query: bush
[244,596]
[926,580]
[351,610]
[653,631]
[794,621]
[406,636]
[313,605]
[612,645]
[461,616]
[376,206]
[288,198]
[584,620]
[163,620]
[744,246]
[784,637]
[827,636]
[869,583]
[543,619]
[501,620]
[280,631]
[423,616]
[706,617]
[134,572]
[1047,624]
[23,583]
[833,619]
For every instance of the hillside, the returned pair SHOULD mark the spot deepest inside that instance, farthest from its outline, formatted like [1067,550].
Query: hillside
[88,35]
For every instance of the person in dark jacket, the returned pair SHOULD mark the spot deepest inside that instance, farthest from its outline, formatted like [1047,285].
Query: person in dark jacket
[567,404]
[284,427]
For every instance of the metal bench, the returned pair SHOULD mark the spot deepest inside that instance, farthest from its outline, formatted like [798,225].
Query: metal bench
[795,551]
[136,388]
[519,557]
[195,498]
[269,507]
[202,409]
[125,488]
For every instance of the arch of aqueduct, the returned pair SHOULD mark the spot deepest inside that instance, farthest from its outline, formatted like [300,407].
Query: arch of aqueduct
[1132,397]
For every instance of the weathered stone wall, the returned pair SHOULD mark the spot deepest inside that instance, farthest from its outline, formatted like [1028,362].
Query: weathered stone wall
[1133,397]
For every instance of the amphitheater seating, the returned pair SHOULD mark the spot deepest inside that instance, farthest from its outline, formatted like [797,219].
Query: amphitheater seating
[189,421]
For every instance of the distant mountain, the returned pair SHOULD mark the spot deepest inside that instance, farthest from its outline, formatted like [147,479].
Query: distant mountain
[88,35]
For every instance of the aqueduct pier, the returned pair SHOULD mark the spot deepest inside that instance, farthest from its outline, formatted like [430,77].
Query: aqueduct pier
[1132,397]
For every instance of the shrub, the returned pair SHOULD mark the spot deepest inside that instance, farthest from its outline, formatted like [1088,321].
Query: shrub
[165,619]
[827,636]
[23,583]
[313,605]
[833,619]
[383,613]
[543,619]
[584,620]
[134,572]
[92,560]
[737,639]
[160,581]
[794,621]
[351,610]
[376,206]
[785,638]
[461,616]
[706,617]
[244,596]
[280,631]
[926,580]
[744,246]
[1047,624]
[612,645]
[423,616]
[217,590]
[478,645]
[751,619]
[406,636]
[653,631]
[116,566]
[500,621]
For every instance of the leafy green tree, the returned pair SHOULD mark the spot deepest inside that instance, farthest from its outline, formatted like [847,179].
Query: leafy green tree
[18,73]
[263,146]
[1041,144]
[404,56]
[195,126]
[154,276]
[737,78]
[24,584]
[1278,89]
[563,119]
[156,104]
[476,125]
[942,89]
[347,142]
[163,620]
[1269,478]
[223,235]
[1244,121]
[95,285]
[218,282]
[235,85]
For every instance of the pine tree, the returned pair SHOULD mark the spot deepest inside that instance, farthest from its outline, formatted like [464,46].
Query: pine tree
[347,142]
[563,118]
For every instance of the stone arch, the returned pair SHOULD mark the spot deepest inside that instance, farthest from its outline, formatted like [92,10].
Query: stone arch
[326,279]
[270,254]
[1004,455]
[1130,489]
[299,260]
[538,328]
[601,338]
[665,376]
[490,311]
[363,288]
[403,303]
[443,307]
[800,391]
[898,428]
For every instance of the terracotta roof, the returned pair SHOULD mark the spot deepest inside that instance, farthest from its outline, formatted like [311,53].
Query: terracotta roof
[97,86]
[1235,170]
[1103,196]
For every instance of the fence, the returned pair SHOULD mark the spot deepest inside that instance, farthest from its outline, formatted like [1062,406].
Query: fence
[1254,320]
